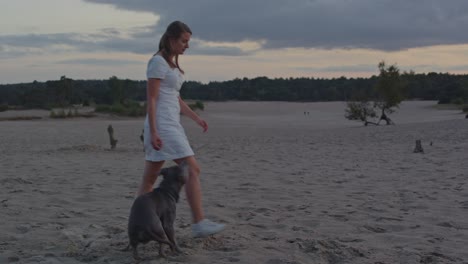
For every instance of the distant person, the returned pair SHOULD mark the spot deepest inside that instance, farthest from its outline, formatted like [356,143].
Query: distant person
[164,136]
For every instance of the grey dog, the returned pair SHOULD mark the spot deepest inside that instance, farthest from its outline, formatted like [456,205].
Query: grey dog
[152,214]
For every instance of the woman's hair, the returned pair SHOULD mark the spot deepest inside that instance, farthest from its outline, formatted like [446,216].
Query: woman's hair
[173,31]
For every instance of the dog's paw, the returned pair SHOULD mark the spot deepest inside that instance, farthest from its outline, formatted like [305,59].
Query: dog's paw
[181,253]
[178,251]
[125,249]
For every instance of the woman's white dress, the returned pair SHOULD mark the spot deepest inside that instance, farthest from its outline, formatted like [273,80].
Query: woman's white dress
[174,141]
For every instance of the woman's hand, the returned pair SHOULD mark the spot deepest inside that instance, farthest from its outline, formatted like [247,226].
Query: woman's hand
[203,124]
[156,141]
[185,110]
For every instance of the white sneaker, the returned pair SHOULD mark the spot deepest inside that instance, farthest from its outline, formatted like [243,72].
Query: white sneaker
[206,228]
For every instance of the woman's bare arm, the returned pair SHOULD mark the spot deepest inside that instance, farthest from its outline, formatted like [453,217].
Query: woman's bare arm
[185,110]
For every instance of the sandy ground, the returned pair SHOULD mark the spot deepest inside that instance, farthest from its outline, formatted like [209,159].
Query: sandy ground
[291,187]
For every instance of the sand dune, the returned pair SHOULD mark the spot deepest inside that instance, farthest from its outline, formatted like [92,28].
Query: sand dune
[292,188]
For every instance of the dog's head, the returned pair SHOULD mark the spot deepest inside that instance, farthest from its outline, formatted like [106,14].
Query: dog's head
[177,173]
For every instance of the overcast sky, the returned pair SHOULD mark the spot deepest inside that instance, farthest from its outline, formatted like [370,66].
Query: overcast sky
[95,39]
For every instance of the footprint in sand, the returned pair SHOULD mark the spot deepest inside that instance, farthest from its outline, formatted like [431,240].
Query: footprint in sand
[434,240]
[23,229]
[246,216]
[224,244]
[14,181]
[435,257]
[261,226]
[281,261]
[13,259]
[332,251]
[233,259]
[339,217]
[267,236]
[264,211]
[464,204]
[381,219]
[375,229]
[350,240]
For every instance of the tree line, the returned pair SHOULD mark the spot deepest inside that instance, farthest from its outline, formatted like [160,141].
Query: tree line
[66,92]
[443,87]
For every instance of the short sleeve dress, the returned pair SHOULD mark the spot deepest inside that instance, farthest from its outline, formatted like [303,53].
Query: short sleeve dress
[175,144]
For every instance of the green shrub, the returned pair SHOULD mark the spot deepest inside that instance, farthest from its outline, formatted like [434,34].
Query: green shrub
[102,108]
[465,108]
[19,118]
[61,113]
[200,105]
[458,101]
[117,109]
[3,107]
[197,105]
[131,108]
[58,114]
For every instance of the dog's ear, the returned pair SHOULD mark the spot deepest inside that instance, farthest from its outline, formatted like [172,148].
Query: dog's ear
[164,172]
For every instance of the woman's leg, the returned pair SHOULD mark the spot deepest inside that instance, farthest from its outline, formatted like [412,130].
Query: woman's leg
[150,174]
[193,188]
[201,227]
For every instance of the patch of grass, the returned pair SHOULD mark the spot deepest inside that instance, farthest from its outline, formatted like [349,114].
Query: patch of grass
[20,118]
[70,114]
[197,105]
[133,109]
[465,109]
[3,107]
[461,107]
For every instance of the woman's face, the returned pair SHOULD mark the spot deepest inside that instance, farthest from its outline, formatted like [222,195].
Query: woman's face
[181,44]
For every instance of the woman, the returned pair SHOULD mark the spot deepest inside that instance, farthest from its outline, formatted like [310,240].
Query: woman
[164,136]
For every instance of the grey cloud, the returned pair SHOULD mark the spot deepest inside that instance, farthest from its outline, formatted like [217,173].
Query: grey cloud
[99,62]
[36,40]
[196,47]
[373,68]
[383,25]
[225,51]
[15,54]
[458,68]
[345,68]
[109,40]
[14,46]
[388,25]
[439,68]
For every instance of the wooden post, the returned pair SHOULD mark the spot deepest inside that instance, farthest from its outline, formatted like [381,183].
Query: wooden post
[142,138]
[418,148]
[113,141]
